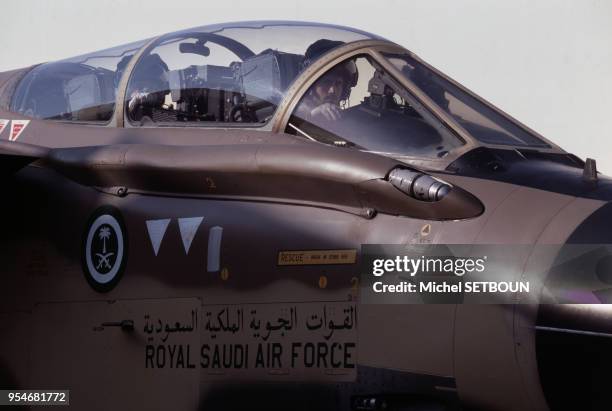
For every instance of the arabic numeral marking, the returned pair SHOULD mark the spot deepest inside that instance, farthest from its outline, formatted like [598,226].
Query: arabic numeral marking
[355,284]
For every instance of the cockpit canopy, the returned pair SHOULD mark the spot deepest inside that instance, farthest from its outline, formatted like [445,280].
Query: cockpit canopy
[81,88]
[376,97]
[233,72]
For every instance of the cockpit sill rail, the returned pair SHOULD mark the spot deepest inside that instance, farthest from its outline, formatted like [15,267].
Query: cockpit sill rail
[357,183]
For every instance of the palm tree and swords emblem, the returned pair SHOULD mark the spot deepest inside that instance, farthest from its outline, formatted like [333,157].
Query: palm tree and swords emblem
[104,252]
[104,256]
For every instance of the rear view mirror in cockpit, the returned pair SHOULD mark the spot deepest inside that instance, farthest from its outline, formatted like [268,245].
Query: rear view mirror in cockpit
[194,48]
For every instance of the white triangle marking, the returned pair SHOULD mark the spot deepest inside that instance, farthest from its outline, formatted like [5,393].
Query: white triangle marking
[157,230]
[3,124]
[188,228]
[17,127]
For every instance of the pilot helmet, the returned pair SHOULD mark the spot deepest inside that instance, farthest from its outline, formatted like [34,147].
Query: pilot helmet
[150,74]
[347,69]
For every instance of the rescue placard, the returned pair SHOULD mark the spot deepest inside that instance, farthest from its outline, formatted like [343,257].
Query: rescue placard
[317,257]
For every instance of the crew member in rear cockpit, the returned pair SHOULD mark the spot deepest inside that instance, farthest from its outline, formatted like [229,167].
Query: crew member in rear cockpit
[148,88]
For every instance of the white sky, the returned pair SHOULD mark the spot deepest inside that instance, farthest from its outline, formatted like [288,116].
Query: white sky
[546,62]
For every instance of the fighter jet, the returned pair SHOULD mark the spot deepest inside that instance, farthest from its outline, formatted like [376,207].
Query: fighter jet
[185,219]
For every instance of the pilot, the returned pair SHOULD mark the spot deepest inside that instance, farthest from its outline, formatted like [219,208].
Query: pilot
[324,98]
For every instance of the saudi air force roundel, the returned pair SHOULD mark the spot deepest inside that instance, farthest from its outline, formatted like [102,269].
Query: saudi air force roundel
[104,249]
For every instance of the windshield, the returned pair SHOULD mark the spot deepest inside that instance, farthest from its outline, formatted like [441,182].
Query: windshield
[480,120]
[356,104]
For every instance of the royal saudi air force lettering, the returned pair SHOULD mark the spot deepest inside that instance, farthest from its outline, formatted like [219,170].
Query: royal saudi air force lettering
[295,341]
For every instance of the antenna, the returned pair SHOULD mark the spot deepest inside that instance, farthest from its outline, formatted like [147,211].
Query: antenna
[589,174]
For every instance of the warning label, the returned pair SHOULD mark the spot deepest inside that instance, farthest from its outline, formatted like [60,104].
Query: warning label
[317,257]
